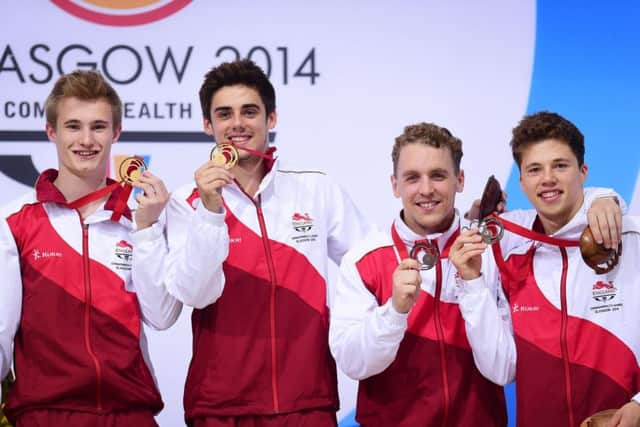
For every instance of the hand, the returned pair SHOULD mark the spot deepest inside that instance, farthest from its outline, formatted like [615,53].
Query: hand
[406,285]
[605,220]
[474,211]
[151,201]
[465,254]
[210,179]
[627,416]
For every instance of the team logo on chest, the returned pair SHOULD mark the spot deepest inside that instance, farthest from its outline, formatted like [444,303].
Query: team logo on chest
[123,255]
[604,291]
[303,224]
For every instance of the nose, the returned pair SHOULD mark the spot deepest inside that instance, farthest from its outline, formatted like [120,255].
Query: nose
[237,121]
[86,137]
[426,186]
[548,176]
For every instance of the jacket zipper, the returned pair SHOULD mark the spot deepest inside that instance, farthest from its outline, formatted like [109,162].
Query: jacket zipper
[272,303]
[440,334]
[563,335]
[87,313]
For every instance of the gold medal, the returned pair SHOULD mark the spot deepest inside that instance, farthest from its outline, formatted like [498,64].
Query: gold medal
[224,155]
[131,169]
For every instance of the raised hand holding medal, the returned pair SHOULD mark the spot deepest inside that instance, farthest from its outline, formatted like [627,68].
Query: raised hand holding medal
[154,196]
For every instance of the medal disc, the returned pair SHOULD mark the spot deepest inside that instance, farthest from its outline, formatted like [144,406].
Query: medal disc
[426,253]
[224,155]
[131,169]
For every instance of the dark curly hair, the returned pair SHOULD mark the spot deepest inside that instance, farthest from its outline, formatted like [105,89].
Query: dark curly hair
[428,134]
[244,72]
[542,126]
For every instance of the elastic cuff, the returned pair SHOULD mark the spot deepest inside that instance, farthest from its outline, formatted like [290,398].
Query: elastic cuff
[471,286]
[210,217]
[147,234]
[392,317]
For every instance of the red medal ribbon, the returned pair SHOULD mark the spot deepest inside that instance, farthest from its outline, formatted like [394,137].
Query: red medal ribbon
[121,201]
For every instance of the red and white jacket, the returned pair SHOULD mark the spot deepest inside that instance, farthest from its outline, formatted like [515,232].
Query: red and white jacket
[575,332]
[262,346]
[414,369]
[74,294]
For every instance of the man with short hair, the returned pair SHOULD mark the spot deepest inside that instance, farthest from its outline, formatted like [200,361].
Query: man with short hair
[395,324]
[260,350]
[574,331]
[80,275]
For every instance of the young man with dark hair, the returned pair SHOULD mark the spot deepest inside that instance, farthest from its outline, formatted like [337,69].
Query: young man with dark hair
[574,331]
[260,350]
[80,275]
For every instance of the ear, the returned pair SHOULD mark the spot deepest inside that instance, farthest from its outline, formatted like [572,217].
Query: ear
[51,132]
[394,186]
[460,183]
[116,134]
[207,126]
[583,172]
[271,120]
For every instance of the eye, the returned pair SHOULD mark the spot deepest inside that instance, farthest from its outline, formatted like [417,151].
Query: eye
[438,177]
[223,114]
[533,170]
[562,165]
[251,112]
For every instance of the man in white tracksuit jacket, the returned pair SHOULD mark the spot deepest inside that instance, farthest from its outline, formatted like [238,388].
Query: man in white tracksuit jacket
[397,328]
[575,344]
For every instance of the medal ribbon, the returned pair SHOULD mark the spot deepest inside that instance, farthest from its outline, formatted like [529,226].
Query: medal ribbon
[402,249]
[121,202]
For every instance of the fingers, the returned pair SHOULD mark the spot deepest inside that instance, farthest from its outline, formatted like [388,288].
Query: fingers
[406,285]
[210,177]
[152,186]
[616,419]
[465,253]
[605,221]
[474,211]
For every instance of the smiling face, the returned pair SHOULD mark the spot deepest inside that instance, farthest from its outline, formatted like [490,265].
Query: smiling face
[426,181]
[552,180]
[83,134]
[238,116]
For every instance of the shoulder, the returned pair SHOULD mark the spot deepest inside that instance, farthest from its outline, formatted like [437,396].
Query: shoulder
[375,242]
[18,204]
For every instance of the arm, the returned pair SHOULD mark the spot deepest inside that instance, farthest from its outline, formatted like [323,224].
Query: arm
[363,337]
[10,297]
[159,309]
[198,245]
[484,308]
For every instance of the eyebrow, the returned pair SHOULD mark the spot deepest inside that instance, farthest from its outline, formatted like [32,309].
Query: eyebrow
[244,106]
[429,172]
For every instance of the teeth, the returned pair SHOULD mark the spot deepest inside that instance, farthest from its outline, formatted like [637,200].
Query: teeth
[427,204]
[548,194]
[86,153]
[239,138]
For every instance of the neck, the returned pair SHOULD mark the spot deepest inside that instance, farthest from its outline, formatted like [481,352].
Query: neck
[73,187]
[249,173]
[552,224]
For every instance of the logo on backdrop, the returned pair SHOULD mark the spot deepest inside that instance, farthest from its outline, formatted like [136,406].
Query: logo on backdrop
[121,13]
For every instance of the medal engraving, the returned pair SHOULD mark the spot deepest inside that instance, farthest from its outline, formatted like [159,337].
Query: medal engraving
[224,155]
[131,169]
[426,253]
